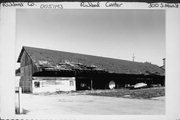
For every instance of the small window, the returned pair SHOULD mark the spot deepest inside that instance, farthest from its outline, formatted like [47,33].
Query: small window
[36,84]
[71,83]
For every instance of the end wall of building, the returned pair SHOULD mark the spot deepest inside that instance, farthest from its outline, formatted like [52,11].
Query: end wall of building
[27,68]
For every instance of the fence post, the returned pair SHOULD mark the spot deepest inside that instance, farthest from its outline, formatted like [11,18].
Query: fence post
[19,100]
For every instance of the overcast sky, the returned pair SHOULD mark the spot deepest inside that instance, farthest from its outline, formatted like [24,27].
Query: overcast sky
[108,33]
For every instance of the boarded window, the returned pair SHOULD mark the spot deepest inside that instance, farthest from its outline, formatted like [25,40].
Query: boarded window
[71,83]
[50,82]
[36,84]
[58,82]
[43,83]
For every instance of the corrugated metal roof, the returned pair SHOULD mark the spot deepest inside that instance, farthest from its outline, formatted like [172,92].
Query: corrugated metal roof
[59,60]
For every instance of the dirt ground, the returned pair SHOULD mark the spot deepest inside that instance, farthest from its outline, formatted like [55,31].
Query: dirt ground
[90,105]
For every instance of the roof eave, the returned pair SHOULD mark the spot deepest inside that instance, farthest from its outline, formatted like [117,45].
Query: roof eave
[20,55]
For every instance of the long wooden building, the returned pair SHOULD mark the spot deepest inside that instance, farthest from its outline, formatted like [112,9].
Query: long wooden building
[45,70]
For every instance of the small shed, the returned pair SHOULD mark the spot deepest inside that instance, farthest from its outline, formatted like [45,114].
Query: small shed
[49,70]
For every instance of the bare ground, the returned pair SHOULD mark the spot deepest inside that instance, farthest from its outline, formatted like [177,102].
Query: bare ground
[80,104]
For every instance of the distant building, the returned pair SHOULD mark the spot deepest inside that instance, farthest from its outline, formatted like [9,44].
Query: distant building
[164,63]
[45,70]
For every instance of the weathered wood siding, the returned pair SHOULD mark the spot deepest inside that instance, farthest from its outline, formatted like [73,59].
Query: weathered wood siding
[27,69]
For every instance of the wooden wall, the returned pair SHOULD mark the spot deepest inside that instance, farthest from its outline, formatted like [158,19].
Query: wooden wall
[27,70]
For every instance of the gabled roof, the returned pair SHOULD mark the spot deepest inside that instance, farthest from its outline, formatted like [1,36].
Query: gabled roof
[59,60]
[17,72]
[162,67]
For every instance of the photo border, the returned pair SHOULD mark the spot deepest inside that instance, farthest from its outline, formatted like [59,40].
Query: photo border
[8,61]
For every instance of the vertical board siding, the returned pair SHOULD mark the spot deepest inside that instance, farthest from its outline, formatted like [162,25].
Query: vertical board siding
[27,70]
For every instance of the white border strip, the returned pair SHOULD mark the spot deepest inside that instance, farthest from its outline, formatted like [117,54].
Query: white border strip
[7,58]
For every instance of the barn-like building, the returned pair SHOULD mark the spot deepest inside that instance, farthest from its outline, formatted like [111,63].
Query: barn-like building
[43,70]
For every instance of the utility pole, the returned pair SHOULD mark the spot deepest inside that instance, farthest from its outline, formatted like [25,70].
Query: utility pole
[133,57]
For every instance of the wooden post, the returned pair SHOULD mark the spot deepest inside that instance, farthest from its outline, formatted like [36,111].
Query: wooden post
[19,100]
[91,84]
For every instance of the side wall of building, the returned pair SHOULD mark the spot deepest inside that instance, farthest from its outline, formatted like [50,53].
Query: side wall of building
[53,84]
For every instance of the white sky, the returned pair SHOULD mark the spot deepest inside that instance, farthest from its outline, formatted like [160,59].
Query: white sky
[108,33]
